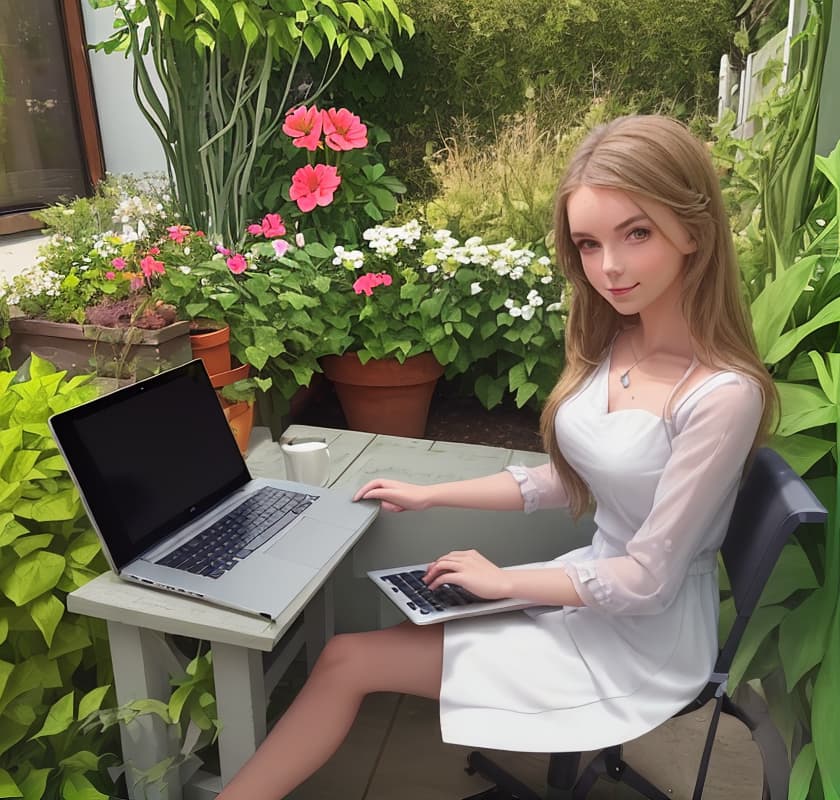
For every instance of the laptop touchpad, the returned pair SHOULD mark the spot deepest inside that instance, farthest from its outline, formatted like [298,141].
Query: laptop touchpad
[310,542]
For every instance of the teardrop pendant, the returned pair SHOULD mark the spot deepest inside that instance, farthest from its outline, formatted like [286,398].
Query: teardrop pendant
[625,379]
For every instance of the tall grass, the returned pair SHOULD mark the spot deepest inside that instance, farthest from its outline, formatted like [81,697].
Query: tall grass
[503,185]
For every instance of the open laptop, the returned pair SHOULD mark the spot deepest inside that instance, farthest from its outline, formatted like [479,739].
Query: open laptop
[175,507]
[404,587]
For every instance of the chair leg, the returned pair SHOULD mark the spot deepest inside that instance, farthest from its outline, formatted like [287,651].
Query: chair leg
[507,786]
[610,763]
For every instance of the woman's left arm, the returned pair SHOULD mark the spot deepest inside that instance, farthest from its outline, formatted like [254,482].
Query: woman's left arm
[699,484]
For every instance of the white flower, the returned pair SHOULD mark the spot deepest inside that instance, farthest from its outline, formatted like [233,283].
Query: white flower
[509,303]
[527,312]
[475,287]
[432,268]
[185,269]
[300,241]
[544,260]
[515,312]
[516,273]
[534,299]
[186,251]
[554,307]
[68,212]
[546,279]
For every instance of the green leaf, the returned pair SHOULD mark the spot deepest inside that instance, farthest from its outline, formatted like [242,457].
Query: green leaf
[828,315]
[30,577]
[803,635]
[92,701]
[525,392]
[25,545]
[47,611]
[63,505]
[772,308]
[792,572]
[84,548]
[82,760]
[490,392]
[59,717]
[802,773]
[35,784]
[77,787]
[761,625]
[8,788]
[824,727]
[256,357]
[800,450]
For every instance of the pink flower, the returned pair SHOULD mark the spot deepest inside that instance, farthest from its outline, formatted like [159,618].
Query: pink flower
[118,263]
[314,186]
[136,283]
[300,241]
[280,247]
[154,251]
[304,126]
[177,233]
[370,280]
[109,276]
[223,250]
[200,233]
[237,264]
[151,267]
[343,130]
[272,226]
[255,230]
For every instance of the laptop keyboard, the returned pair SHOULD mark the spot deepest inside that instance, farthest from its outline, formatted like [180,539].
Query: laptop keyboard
[236,535]
[423,599]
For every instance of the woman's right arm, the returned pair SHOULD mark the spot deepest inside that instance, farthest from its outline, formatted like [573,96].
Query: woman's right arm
[515,489]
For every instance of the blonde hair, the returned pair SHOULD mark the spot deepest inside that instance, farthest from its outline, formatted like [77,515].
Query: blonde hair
[656,158]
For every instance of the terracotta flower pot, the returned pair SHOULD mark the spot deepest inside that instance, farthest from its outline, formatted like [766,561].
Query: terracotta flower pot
[384,396]
[240,415]
[210,342]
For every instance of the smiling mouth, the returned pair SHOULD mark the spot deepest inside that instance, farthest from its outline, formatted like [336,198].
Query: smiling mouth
[623,290]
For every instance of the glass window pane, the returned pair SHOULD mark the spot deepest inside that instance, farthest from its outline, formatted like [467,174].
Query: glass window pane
[40,147]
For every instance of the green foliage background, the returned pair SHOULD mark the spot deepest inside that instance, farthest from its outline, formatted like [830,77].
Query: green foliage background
[485,58]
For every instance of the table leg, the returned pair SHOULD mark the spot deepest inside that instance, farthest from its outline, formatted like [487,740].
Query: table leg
[140,673]
[240,703]
[318,623]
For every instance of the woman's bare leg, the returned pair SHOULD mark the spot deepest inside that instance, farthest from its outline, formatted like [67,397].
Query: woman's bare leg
[405,658]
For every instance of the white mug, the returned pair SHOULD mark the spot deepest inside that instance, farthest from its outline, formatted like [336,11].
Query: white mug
[307,461]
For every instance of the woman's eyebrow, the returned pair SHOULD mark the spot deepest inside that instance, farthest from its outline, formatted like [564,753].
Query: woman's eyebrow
[620,226]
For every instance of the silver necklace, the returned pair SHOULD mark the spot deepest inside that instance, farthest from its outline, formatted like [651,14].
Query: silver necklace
[624,378]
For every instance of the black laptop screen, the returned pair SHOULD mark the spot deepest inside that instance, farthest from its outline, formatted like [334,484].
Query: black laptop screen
[150,457]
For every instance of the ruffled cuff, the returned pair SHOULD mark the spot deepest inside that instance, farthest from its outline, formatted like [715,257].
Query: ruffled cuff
[530,491]
[590,588]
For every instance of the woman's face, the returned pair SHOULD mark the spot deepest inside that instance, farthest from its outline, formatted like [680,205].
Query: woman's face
[632,249]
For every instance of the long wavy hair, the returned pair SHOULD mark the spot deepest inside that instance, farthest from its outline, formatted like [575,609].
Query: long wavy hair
[656,158]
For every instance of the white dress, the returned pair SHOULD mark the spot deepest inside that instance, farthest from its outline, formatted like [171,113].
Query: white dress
[645,641]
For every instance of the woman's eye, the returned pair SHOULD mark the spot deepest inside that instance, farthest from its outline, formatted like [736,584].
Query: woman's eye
[586,244]
[639,234]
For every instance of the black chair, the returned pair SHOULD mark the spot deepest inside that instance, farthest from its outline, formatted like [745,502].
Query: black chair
[772,502]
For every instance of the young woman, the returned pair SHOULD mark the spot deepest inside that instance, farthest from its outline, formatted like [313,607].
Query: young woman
[661,402]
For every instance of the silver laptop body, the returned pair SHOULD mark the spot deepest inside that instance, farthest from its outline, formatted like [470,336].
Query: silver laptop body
[156,465]
[406,594]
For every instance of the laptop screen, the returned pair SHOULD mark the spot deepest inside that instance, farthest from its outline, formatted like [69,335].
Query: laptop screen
[150,457]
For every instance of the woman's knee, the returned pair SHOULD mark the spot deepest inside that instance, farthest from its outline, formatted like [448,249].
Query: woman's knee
[341,653]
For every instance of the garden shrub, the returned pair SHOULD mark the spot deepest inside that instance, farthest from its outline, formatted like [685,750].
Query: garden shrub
[485,58]
[54,666]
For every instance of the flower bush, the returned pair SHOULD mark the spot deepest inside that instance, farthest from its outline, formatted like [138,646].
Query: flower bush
[489,312]
[102,261]
[330,174]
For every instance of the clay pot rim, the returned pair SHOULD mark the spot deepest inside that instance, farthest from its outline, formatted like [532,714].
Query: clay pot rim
[212,338]
[220,379]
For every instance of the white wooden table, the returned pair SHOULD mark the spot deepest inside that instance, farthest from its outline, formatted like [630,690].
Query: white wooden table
[249,654]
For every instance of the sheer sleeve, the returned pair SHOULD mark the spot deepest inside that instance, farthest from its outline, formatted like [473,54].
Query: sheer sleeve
[699,483]
[541,487]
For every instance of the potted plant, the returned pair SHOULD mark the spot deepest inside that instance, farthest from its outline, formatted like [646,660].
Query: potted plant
[416,302]
[88,303]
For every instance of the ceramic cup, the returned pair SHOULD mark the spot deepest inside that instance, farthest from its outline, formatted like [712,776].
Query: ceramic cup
[307,461]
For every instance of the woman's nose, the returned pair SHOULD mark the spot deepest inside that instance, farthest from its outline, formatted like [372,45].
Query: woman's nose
[610,264]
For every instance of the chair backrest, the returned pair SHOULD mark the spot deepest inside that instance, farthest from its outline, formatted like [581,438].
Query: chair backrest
[772,502]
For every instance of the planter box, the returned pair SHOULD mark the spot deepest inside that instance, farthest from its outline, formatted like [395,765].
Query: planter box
[126,354]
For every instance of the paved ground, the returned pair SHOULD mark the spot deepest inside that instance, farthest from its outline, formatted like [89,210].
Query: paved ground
[18,251]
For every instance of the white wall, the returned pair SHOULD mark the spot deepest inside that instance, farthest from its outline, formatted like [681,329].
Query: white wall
[128,141]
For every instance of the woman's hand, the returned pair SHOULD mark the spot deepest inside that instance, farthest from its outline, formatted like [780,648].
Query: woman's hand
[395,495]
[470,570]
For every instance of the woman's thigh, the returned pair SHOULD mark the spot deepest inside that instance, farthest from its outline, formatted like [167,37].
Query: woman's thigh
[406,658]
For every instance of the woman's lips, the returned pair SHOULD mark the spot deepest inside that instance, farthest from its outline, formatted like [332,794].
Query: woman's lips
[625,290]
